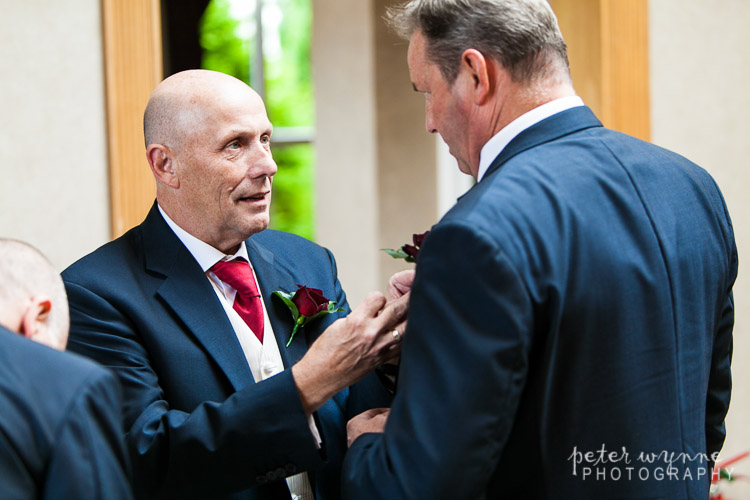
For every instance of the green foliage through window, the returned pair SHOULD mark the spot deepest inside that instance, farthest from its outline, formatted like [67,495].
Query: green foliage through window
[228,38]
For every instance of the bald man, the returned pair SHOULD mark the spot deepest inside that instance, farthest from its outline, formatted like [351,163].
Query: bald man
[216,404]
[60,429]
[32,296]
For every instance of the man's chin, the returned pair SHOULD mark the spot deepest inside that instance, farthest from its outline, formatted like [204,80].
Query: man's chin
[258,224]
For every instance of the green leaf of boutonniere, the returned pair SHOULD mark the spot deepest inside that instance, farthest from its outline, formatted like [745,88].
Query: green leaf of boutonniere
[306,304]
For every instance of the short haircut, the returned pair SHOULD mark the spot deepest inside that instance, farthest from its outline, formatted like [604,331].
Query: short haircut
[158,120]
[24,273]
[522,35]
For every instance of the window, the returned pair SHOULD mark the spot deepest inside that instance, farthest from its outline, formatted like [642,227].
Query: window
[267,44]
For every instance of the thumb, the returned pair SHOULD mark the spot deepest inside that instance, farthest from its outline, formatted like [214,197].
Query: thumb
[372,304]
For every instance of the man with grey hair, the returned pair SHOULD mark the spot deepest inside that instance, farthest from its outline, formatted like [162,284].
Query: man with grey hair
[570,324]
[60,429]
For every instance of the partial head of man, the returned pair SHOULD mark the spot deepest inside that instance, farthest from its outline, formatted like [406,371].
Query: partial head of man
[481,64]
[208,142]
[33,302]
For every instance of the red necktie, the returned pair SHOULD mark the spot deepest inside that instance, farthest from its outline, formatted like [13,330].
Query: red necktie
[237,274]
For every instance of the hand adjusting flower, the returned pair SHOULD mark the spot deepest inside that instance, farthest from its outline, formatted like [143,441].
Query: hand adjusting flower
[305,305]
[408,252]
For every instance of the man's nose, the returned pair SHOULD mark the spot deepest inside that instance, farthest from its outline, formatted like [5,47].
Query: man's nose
[428,121]
[263,164]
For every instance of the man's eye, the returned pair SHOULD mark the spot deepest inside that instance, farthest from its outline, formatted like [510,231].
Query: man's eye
[233,145]
[265,139]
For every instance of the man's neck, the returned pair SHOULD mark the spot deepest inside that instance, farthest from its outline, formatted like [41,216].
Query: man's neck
[193,226]
[205,254]
[523,99]
[497,143]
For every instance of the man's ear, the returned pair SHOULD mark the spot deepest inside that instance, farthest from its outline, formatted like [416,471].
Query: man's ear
[35,324]
[161,160]
[478,73]
[35,317]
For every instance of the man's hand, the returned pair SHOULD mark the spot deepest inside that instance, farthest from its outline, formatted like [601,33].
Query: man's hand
[369,421]
[399,284]
[349,349]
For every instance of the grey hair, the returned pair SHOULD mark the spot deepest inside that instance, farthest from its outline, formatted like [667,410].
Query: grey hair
[25,272]
[523,35]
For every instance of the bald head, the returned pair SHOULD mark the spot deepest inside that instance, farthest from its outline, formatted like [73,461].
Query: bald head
[208,143]
[179,104]
[32,296]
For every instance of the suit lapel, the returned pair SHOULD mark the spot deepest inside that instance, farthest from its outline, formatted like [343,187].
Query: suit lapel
[270,279]
[187,291]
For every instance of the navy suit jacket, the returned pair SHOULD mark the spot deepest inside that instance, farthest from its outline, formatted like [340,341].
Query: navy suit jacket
[577,298]
[60,427]
[197,423]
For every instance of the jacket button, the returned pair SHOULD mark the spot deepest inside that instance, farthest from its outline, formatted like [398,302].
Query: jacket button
[290,469]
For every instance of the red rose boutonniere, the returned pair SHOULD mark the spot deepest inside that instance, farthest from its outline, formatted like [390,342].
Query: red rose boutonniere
[306,304]
[408,252]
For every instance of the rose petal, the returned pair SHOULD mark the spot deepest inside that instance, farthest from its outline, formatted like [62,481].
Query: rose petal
[419,238]
[309,301]
[411,251]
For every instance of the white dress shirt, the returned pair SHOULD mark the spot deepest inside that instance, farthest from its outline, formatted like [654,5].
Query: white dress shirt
[263,359]
[497,143]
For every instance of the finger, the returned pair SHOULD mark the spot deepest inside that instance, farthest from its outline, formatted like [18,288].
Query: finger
[403,278]
[372,412]
[393,355]
[400,283]
[401,327]
[397,333]
[393,313]
[389,344]
[378,411]
[370,306]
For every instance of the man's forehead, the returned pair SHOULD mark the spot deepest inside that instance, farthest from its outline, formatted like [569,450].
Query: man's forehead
[229,103]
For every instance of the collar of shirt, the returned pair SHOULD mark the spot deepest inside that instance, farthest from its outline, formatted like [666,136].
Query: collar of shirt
[202,252]
[497,143]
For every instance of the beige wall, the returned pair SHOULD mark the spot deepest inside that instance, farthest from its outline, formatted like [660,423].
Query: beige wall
[377,168]
[700,66]
[380,176]
[53,183]
[346,162]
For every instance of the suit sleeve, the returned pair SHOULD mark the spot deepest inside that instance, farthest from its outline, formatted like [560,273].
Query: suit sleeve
[720,377]
[463,367]
[720,380]
[88,460]
[254,437]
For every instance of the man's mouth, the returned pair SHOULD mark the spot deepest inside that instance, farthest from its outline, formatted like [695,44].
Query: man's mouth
[255,197]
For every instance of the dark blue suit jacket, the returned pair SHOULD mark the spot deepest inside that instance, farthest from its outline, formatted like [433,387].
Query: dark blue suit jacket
[197,423]
[60,428]
[578,297]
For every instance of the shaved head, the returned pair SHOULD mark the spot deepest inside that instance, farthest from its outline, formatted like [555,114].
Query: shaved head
[179,104]
[26,274]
